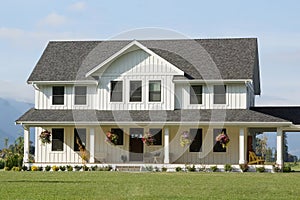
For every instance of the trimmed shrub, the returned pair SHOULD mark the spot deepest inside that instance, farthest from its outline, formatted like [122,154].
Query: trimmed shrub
[85,168]
[191,168]
[69,168]
[214,168]
[227,167]
[13,160]
[62,168]
[286,168]
[24,168]
[40,168]
[47,168]
[260,169]
[16,169]
[178,169]
[7,169]
[244,167]
[34,168]
[77,168]
[163,169]
[55,168]
[94,168]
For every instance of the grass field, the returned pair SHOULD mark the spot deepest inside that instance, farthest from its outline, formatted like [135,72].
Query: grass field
[122,185]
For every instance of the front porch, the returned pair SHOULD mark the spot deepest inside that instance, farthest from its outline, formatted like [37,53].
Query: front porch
[167,152]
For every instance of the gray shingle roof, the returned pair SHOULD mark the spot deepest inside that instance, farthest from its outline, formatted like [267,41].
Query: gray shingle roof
[199,59]
[234,115]
[288,113]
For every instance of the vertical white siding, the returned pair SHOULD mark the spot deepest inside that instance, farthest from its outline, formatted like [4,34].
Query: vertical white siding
[236,97]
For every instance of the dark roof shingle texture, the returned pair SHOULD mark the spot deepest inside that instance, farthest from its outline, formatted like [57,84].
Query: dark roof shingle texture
[233,115]
[199,58]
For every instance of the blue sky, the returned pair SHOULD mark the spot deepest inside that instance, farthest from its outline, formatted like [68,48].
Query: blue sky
[27,26]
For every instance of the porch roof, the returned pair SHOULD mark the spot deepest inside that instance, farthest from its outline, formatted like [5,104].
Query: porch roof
[290,113]
[219,116]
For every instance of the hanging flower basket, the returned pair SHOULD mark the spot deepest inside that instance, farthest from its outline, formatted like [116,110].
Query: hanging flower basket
[148,139]
[111,138]
[185,139]
[223,139]
[45,137]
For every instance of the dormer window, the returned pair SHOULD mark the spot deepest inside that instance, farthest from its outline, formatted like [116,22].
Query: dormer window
[135,91]
[196,94]
[58,95]
[219,94]
[154,91]
[80,95]
[116,91]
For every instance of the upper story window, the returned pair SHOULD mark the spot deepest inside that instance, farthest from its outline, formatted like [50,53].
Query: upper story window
[135,91]
[80,95]
[219,94]
[196,94]
[58,95]
[196,144]
[57,139]
[154,91]
[79,139]
[116,91]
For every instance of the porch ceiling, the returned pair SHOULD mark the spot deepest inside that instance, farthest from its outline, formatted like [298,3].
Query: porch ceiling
[218,116]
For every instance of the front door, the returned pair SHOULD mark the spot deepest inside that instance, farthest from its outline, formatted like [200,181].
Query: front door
[136,144]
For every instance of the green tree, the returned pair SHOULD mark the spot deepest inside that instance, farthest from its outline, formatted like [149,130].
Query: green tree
[261,145]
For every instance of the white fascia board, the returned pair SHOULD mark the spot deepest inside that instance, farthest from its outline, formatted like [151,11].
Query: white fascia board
[120,52]
[239,124]
[244,81]
[83,82]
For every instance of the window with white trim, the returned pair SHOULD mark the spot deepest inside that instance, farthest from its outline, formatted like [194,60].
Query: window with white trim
[154,91]
[57,139]
[135,91]
[116,91]
[196,94]
[219,94]
[58,95]
[80,95]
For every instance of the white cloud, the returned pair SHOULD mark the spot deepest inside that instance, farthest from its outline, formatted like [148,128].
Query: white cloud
[53,19]
[79,6]
[17,91]
[8,33]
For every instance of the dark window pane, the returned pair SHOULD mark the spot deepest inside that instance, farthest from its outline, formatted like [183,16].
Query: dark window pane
[217,145]
[116,92]
[57,139]
[196,136]
[135,91]
[157,135]
[80,95]
[79,138]
[219,94]
[155,91]
[119,132]
[196,94]
[58,93]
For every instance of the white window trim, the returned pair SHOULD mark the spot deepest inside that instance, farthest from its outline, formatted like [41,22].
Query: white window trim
[74,96]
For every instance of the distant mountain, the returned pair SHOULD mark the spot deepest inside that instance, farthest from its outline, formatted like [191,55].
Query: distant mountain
[10,110]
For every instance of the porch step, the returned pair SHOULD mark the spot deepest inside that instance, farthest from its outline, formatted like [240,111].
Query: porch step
[128,168]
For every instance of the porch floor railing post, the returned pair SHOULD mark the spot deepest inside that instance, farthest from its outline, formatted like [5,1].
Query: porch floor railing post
[242,151]
[279,138]
[92,145]
[166,147]
[26,144]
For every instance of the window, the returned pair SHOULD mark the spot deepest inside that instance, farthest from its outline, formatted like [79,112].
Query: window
[57,139]
[116,92]
[196,94]
[79,138]
[157,135]
[119,132]
[154,91]
[80,95]
[58,93]
[217,145]
[196,136]
[220,94]
[135,91]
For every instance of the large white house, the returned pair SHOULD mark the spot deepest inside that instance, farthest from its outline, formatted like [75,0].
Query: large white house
[168,88]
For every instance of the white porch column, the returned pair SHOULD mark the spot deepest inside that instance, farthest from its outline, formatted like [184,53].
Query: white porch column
[166,148]
[279,160]
[92,145]
[242,150]
[26,144]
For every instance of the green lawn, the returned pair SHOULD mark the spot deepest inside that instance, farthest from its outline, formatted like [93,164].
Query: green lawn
[122,185]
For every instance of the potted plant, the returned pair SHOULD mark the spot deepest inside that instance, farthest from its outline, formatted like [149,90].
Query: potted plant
[148,139]
[185,139]
[111,138]
[45,137]
[223,139]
